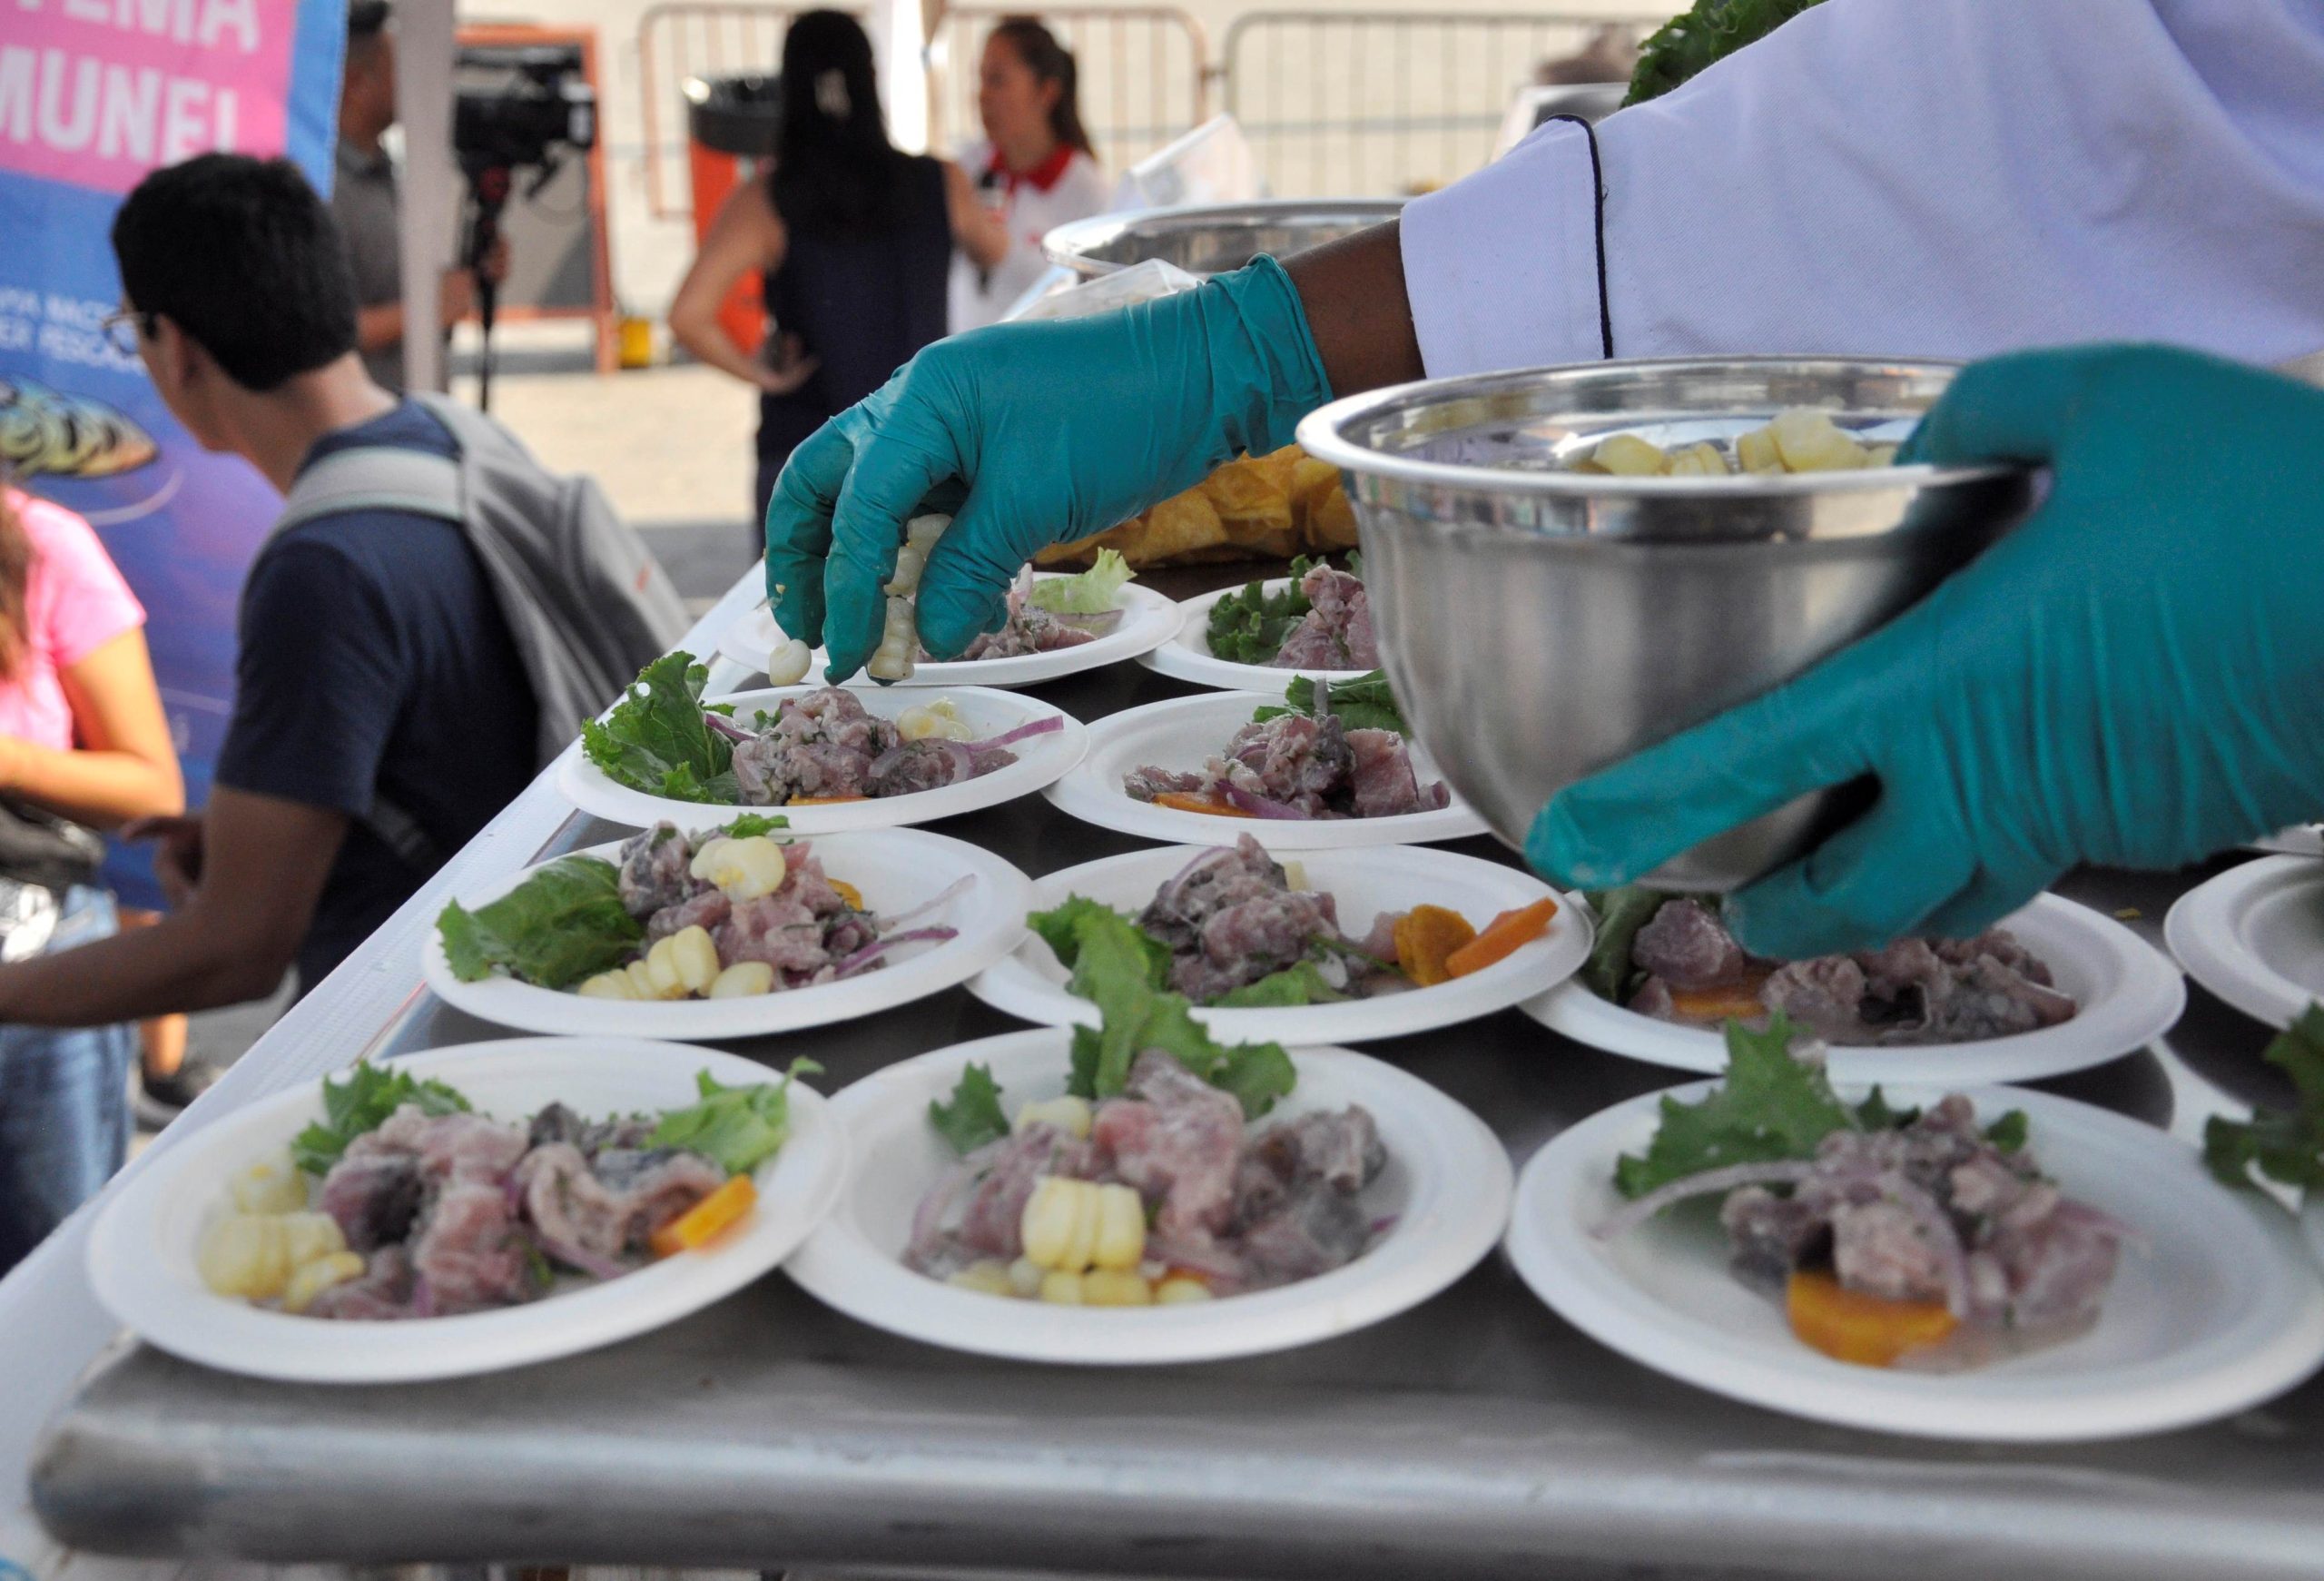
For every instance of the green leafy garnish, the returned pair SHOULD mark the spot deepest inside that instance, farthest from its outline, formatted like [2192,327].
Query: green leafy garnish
[1091,593]
[1118,967]
[362,1103]
[2008,1134]
[2286,1146]
[1304,984]
[735,1128]
[655,741]
[565,923]
[1365,702]
[1620,913]
[1248,626]
[1711,31]
[1771,1106]
[754,824]
[974,1116]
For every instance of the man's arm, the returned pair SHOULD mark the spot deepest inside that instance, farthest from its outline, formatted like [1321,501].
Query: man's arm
[1352,291]
[263,865]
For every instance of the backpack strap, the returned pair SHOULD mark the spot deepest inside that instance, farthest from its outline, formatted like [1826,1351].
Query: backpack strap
[375,478]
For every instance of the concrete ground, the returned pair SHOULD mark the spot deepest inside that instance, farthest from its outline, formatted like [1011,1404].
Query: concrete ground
[672,446]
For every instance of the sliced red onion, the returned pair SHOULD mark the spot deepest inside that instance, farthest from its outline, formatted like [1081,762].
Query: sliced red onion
[877,947]
[1936,1225]
[1096,625]
[423,1299]
[1259,805]
[927,1219]
[964,766]
[952,891]
[1048,727]
[727,727]
[2074,1210]
[572,1256]
[1775,1173]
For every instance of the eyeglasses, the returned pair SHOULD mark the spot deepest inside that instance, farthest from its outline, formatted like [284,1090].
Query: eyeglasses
[127,330]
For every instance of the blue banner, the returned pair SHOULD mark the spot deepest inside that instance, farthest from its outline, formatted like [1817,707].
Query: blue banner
[93,94]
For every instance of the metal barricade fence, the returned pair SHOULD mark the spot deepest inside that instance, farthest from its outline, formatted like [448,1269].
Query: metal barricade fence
[1144,73]
[1362,104]
[694,38]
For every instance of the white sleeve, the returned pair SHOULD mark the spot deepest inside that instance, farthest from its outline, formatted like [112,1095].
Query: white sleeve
[1946,178]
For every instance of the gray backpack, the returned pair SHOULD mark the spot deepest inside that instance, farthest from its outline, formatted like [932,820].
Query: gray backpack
[586,602]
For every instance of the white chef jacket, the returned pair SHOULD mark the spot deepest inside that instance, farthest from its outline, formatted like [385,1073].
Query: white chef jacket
[1944,178]
[1033,206]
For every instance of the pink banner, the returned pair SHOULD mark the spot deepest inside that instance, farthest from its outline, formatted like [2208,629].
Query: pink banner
[96,93]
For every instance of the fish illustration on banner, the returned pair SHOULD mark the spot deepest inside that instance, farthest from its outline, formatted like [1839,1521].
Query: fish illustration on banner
[93,94]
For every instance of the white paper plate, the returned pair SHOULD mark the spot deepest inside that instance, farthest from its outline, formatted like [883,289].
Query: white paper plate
[2254,935]
[142,1249]
[1187,656]
[2127,990]
[1183,732]
[1447,1181]
[2222,1309]
[1149,620]
[1039,761]
[1030,984]
[2298,840]
[895,870]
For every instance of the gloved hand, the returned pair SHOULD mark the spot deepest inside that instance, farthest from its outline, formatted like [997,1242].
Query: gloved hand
[1032,434]
[2136,676]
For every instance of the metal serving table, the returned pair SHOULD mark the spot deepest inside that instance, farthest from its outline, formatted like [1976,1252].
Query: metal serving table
[1477,1436]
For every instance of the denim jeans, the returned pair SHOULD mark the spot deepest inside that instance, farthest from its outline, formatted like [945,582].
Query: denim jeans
[64,1104]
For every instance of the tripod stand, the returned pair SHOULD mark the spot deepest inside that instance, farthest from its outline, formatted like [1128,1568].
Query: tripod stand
[488,187]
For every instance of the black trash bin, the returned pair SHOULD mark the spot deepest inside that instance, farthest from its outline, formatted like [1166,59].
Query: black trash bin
[733,116]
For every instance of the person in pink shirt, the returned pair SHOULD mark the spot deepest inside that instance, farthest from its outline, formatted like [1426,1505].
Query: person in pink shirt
[83,746]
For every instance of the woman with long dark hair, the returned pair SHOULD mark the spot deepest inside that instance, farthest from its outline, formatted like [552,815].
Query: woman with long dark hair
[852,235]
[83,746]
[1035,168]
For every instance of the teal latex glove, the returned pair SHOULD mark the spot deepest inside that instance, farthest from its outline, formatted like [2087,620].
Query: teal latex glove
[1031,434]
[2136,676]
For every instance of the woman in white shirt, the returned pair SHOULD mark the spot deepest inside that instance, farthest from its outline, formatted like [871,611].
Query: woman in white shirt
[1034,167]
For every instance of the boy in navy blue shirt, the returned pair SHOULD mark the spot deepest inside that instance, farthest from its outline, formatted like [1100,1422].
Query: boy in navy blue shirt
[376,670]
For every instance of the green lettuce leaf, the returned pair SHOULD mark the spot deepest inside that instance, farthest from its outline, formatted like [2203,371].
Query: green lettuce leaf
[1248,625]
[361,1104]
[1304,984]
[735,1128]
[565,923]
[2286,1146]
[973,1117]
[1620,913]
[1365,702]
[1771,1106]
[1708,32]
[653,739]
[748,825]
[1091,593]
[1119,969]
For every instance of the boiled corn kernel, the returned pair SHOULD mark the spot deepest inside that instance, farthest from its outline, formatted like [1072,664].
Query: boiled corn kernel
[1172,1292]
[1070,1114]
[1808,440]
[787,666]
[744,869]
[614,985]
[1071,1225]
[742,980]
[1115,1288]
[1064,1289]
[1025,1277]
[1627,456]
[1755,451]
[307,1236]
[989,1277]
[1880,455]
[932,721]
[271,1185]
[642,986]
[245,1254]
[1701,460]
[312,1278]
[685,962]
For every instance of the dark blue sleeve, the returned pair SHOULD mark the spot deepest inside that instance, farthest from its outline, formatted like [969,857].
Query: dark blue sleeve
[319,684]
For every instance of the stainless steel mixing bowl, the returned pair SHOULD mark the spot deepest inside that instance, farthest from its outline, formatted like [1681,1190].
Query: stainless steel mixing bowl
[1539,623]
[1211,238]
